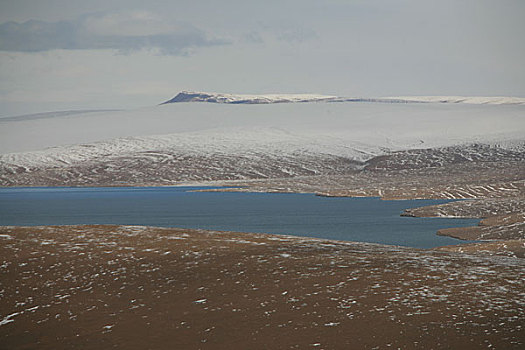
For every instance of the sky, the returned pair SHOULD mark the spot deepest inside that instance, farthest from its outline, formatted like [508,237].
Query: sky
[124,54]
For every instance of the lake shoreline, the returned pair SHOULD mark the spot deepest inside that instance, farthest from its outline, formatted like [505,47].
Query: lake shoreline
[489,176]
[348,219]
[490,229]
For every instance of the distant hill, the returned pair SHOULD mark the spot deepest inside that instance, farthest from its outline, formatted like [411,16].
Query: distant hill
[194,96]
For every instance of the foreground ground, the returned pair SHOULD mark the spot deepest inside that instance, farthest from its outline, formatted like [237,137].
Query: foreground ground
[137,288]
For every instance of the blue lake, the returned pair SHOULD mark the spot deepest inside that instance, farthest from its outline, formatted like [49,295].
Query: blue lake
[350,219]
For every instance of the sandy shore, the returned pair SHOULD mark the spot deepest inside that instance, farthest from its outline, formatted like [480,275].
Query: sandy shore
[95,287]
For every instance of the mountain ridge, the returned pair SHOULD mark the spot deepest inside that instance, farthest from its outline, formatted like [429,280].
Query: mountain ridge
[213,97]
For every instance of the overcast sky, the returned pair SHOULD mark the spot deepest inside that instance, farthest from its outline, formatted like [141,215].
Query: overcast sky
[78,54]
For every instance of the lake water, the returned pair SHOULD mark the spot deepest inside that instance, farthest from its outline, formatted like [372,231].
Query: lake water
[350,219]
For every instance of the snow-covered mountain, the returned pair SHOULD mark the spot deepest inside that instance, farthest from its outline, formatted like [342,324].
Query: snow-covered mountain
[192,96]
[195,96]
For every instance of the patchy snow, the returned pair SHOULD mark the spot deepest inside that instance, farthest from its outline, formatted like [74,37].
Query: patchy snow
[8,319]
[329,287]
[236,153]
[232,141]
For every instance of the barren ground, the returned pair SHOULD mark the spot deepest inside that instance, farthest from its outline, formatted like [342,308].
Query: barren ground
[94,287]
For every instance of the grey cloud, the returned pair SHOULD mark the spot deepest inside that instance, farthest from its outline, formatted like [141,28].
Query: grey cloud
[38,36]
[253,37]
[35,36]
[297,35]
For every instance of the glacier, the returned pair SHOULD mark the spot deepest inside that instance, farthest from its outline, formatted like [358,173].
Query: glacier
[249,140]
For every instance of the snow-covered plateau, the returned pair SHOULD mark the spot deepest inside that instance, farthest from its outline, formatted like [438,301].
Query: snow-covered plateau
[177,142]
[196,96]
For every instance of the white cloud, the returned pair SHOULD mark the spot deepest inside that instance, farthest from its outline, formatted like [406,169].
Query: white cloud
[297,35]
